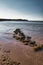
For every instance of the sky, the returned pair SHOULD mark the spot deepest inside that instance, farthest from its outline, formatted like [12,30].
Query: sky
[21,9]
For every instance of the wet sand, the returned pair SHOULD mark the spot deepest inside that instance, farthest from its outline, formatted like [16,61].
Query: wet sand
[18,52]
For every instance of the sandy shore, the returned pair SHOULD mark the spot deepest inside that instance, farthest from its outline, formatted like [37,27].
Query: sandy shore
[20,53]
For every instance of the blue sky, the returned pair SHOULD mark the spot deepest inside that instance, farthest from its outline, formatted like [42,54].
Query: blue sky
[27,9]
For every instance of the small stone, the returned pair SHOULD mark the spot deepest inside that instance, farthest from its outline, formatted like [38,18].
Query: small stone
[38,48]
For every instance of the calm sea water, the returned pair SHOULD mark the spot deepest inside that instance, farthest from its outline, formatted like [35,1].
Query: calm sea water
[33,29]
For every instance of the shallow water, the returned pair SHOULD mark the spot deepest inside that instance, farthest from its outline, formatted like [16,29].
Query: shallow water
[33,29]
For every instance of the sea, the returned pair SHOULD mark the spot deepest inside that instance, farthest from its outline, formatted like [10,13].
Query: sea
[33,29]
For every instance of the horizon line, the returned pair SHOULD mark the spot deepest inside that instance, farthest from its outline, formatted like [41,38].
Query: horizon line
[18,19]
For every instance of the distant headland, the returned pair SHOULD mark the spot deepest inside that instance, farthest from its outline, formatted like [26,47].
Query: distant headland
[13,20]
[20,20]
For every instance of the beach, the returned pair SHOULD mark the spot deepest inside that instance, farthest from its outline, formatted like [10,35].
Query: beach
[20,53]
[15,50]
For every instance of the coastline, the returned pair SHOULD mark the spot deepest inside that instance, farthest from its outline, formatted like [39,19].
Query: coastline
[21,20]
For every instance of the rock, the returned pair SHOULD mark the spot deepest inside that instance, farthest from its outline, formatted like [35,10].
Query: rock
[14,35]
[19,35]
[7,51]
[10,63]
[28,38]
[38,48]
[26,43]
[33,43]
[17,31]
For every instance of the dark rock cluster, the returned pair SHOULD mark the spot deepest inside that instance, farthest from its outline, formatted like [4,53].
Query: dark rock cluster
[19,35]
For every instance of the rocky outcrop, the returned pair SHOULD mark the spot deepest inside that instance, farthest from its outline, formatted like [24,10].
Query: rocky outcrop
[19,35]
